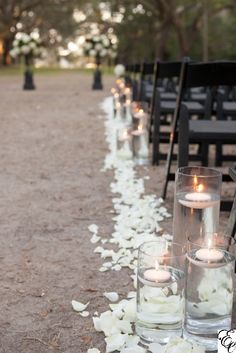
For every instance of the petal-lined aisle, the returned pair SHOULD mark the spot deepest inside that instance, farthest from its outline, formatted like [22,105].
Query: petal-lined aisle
[136,221]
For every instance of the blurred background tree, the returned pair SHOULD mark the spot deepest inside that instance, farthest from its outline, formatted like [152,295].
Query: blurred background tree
[168,29]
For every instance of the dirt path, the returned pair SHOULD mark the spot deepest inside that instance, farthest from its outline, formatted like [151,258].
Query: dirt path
[51,151]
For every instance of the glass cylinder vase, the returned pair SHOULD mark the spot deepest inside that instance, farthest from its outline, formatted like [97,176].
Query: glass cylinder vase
[124,144]
[197,202]
[209,288]
[160,291]
[141,145]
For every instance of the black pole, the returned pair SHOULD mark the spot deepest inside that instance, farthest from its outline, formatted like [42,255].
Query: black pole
[28,75]
[97,79]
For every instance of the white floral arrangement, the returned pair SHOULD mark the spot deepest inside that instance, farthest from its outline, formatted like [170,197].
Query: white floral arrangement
[100,45]
[119,70]
[26,44]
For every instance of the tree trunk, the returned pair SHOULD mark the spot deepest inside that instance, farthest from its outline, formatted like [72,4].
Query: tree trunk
[162,52]
[182,38]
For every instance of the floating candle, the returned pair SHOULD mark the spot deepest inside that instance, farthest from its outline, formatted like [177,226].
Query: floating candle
[209,255]
[198,199]
[139,114]
[125,136]
[157,274]
[140,131]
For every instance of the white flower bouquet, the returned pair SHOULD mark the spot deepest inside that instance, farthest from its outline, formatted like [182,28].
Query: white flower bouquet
[100,46]
[26,45]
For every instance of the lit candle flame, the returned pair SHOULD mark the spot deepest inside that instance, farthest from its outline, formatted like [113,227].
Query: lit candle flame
[140,127]
[200,188]
[141,111]
[125,133]
[197,187]
[128,101]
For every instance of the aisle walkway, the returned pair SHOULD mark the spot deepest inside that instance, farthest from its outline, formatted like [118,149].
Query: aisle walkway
[52,149]
[51,152]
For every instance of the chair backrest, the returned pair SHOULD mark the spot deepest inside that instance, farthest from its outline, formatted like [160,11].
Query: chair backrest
[210,74]
[164,70]
[169,69]
[148,69]
[146,78]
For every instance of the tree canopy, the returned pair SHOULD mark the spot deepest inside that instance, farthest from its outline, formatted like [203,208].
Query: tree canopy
[168,29]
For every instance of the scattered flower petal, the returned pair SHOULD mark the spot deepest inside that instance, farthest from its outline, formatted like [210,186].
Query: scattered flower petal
[112,296]
[84,313]
[77,306]
[93,228]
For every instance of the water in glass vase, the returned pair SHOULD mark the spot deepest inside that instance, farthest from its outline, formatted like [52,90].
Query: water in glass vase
[209,299]
[195,213]
[160,307]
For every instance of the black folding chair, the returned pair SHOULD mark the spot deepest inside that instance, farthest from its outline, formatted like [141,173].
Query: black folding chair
[164,104]
[212,74]
[146,82]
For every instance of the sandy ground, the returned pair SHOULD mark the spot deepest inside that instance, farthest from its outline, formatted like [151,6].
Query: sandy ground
[51,151]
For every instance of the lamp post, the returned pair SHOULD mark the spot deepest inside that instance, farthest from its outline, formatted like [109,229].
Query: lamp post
[97,82]
[28,74]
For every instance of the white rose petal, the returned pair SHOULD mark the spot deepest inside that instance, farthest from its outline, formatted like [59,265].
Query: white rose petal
[84,313]
[135,349]
[117,267]
[132,340]
[112,296]
[96,323]
[98,250]
[156,348]
[115,342]
[95,239]
[93,228]
[77,306]
[103,269]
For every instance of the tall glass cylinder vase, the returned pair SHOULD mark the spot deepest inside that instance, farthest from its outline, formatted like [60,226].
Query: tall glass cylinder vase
[209,288]
[141,145]
[124,144]
[197,202]
[160,291]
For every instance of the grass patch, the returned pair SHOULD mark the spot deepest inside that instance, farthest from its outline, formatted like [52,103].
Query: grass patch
[18,70]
